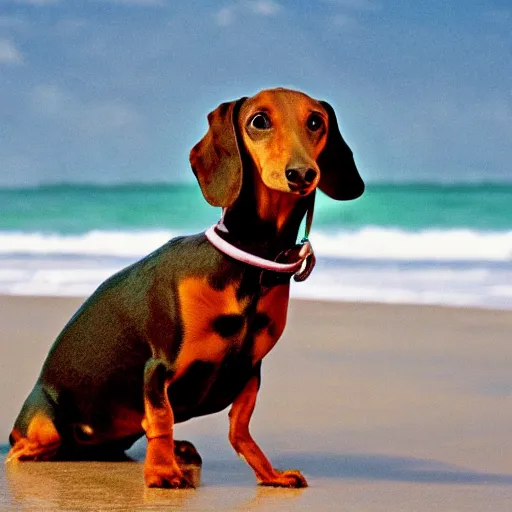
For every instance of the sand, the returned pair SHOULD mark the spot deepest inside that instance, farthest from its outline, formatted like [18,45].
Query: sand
[382,407]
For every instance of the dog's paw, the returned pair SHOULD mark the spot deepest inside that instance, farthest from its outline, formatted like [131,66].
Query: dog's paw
[24,450]
[164,477]
[290,478]
[186,453]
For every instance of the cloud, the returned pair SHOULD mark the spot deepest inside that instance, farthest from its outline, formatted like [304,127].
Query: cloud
[48,99]
[107,117]
[9,54]
[265,7]
[92,119]
[347,13]
[228,14]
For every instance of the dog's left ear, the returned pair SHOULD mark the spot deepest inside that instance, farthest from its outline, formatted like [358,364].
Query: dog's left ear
[216,159]
[339,178]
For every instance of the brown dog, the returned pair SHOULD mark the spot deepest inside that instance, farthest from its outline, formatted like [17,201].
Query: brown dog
[182,333]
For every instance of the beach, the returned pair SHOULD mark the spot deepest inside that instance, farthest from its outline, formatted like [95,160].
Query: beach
[129,124]
[381,406]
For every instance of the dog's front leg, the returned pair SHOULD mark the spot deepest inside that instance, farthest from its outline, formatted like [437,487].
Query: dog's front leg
[243,443]
[160,466]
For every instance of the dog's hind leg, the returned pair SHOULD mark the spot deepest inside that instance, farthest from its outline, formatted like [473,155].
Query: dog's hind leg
[34,436]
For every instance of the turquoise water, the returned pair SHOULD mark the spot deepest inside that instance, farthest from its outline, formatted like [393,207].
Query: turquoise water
[81,208]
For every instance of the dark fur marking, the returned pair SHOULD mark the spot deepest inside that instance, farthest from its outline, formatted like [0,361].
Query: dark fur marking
[155,376]
[228,325]
[261,320]
[191,388]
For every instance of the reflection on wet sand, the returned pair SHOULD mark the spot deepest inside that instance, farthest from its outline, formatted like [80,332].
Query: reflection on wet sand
[73,485]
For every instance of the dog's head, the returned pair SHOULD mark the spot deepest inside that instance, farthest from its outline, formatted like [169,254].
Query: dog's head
[292,141]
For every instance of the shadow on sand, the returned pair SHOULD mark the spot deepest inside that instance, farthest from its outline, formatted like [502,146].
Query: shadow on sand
[360,467]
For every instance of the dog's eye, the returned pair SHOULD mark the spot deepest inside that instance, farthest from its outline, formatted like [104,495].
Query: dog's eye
[314,122]
[261,121]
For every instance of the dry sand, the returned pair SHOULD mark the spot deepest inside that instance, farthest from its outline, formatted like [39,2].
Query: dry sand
[383,408]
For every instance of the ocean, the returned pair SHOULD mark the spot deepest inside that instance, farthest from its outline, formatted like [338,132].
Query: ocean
[399,243]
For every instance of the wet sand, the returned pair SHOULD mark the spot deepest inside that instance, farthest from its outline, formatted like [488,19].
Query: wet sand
[382,407]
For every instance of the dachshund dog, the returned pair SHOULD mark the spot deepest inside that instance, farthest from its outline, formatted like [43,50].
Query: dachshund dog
[182,332]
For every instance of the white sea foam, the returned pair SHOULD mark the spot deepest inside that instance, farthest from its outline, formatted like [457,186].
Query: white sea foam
[93,243]
[393,283]
[480,286]
[76,282]
[456,267]
[372,243]
[395,244]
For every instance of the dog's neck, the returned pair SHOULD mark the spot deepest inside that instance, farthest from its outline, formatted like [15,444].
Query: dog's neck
[264,222]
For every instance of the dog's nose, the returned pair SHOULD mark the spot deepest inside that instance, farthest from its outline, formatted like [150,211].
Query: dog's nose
[301,176]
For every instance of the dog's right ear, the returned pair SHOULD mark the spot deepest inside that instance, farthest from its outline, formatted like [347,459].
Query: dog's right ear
[216,159]
[339,177]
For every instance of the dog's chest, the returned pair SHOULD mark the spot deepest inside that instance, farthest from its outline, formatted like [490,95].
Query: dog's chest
[217,323]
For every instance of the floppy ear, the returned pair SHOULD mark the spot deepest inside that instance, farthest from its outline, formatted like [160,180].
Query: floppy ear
[339,178]
[216,159]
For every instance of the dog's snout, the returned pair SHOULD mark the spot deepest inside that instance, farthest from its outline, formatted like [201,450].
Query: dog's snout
[301,176]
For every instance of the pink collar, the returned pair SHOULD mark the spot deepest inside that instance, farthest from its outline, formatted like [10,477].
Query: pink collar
[246,257]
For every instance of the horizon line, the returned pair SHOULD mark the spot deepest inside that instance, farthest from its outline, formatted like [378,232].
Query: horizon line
[189,184]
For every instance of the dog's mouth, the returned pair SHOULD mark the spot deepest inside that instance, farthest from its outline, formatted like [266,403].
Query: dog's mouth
[302,189]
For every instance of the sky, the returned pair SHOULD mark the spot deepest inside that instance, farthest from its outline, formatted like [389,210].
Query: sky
[116,91]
